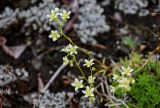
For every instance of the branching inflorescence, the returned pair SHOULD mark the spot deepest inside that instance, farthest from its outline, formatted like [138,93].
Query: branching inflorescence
[60,18]
[121,80]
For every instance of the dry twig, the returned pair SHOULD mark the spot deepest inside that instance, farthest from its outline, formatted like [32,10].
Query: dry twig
[54,77]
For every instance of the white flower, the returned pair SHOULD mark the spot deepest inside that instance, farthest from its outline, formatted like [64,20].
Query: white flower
[56,9]
[65,49]
[65,60]
[127,71]
[91,79]
[132,80]
[88,92]
[88,63]
[54,15]
[54,35]
[70,49]
[113,89]
[77,84]
[124,87]
[115,77]
[73,49]
[124,81]
[65,15]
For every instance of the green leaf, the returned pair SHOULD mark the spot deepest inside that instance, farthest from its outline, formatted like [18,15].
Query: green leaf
[129,42]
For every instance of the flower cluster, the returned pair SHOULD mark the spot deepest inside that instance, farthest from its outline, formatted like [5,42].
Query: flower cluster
[88,92]
[59,18]
[71,51]
[123,80]
[56,15]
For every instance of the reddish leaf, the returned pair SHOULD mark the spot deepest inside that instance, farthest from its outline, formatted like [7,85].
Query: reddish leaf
[40,83]
[14,51]
[0,103]
[118,17]
[100,46]
[2,41]
[30,97]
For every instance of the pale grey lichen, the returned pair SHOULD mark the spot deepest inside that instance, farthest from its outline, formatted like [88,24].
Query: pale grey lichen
[8,17]
[33,1]
[132,6]
[85,103]
[59,100]
[90,21]
[106,2]
[34,17]
[51,100]
[9,74]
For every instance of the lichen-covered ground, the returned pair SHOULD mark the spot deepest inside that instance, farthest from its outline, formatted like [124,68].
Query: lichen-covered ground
[28,58]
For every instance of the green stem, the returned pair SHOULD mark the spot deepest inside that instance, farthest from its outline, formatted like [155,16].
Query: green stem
[66,37]
[60,28]
[85,51]
[91,71]
[79,67]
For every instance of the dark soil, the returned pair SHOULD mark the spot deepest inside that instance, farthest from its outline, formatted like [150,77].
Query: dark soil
[139,29]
